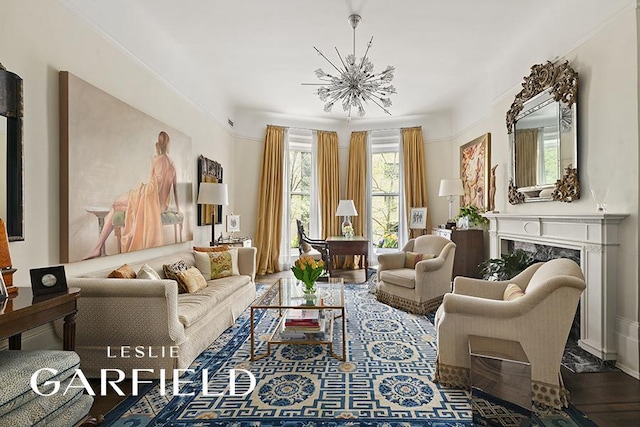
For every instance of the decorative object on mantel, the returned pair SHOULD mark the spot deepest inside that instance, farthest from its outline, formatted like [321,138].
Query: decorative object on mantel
[567,188]
[491,202]
[356,81]
[599,195]
[547,103]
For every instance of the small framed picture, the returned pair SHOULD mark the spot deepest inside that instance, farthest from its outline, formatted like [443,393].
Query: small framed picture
[418,218]
[3,290]
[48,280]
[233,223]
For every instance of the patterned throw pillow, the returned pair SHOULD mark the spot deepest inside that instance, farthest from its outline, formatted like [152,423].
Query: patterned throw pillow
[147,273]
[192,279]
[512,292]
[171,272]
[214,265]
[412,258]
[211,248]
[123,272]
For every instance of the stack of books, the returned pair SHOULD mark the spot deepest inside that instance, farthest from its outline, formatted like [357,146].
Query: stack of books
[299,323]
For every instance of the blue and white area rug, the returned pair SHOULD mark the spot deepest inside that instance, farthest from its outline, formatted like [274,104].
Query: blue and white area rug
[386,380]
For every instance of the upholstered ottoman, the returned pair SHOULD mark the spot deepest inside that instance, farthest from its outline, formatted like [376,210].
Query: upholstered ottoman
[21,406]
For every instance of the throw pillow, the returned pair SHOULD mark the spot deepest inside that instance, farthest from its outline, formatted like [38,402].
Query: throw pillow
[211,248]
[214,265]
[512,292]
[192,279]
[147,273]
[412,258]
[171,272]
[123,272]
[306,248]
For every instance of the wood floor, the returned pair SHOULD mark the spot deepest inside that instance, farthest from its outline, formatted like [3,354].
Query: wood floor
[610,399]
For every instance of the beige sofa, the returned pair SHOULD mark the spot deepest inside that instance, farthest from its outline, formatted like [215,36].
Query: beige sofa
[148,319]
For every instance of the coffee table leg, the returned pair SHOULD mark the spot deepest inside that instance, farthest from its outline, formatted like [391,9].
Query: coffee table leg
[344,336]
[252,337]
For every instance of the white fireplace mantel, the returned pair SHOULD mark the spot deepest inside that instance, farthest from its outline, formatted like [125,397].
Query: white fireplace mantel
[596,237]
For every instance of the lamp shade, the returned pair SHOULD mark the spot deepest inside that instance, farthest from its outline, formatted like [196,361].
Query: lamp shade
[451,187]
[213,193]
[346,208]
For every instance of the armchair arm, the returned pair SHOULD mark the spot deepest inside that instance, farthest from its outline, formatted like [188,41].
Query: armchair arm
[247,262]
[127,311]
[432,264]
[391,261]
[479,288]
[481,307]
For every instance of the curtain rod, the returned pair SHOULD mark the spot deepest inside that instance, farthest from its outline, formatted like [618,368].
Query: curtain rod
[369,130]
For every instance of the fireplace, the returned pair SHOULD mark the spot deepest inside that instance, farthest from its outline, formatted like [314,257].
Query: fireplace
[592,241]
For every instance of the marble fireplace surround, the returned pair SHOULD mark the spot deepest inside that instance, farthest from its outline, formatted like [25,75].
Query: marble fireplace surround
[596,237]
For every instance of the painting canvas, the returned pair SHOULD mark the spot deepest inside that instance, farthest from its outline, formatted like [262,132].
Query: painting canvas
[209,171]
[125,178]
[474,171]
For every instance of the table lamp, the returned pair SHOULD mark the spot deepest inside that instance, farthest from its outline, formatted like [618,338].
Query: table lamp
[346,208]
[213,193]
[451,188]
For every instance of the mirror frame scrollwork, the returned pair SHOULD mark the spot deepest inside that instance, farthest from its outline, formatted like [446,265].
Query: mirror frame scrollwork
[562,83]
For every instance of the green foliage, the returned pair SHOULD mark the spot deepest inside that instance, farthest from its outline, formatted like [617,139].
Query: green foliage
[307,270]
[389,240]
[473,213]
[507,266]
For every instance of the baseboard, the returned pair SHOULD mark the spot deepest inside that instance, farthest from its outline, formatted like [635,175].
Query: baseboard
[40,338]
[628,343]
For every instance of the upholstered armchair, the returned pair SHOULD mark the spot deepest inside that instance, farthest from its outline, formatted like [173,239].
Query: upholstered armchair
[416,278]
[538,315]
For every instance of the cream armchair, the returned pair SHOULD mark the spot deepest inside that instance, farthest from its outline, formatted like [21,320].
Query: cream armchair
[416,289]
[539,318]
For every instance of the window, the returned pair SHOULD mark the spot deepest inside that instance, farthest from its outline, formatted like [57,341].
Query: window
[385,191]
[299,190]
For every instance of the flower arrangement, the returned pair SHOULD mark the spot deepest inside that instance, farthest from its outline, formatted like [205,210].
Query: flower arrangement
[347,231]
[307,270]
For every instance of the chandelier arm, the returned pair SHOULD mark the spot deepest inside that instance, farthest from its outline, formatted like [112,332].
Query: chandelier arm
[340,57]
[367,96]
[327,59]
[366,52]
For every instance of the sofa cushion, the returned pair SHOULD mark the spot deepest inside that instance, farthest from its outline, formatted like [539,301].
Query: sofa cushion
[192,307]
[148,273]
[123,272]
[171,272]
[211,248]
[405,277]
[512,292]
[215,265]
[17,368]
[412,258]
[193,280]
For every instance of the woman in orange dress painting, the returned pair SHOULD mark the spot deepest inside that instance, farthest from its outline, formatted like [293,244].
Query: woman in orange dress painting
[143,206]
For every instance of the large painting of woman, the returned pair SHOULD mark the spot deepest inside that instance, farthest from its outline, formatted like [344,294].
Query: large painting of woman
[474,166]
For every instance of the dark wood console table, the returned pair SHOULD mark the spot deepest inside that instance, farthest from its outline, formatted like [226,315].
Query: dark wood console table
[23,312]
[340,245]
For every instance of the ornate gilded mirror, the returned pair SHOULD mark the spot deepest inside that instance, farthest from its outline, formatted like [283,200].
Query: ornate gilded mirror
[543,142]
[11,196]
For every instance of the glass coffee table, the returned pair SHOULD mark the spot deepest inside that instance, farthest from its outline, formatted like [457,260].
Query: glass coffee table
[302,321]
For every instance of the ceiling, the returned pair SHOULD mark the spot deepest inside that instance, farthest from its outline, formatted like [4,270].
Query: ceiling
[229,56]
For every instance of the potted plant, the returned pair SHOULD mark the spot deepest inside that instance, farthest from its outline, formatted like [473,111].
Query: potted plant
[471,217]
[507,266]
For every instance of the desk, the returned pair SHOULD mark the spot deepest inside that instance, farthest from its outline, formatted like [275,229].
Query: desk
[357,245]
[21,313]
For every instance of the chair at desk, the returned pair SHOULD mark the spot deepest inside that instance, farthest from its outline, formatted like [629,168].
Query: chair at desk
[315,248]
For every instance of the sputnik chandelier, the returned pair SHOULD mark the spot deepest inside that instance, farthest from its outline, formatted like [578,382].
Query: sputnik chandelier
[356,82]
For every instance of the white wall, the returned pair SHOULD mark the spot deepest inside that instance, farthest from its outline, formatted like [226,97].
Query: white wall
[607,64]
[37,40]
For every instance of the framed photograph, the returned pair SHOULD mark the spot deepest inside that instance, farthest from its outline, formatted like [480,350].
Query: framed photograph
[48,280]
[209,171]
[474,171]
[3,290]
[418,218]
[233,223]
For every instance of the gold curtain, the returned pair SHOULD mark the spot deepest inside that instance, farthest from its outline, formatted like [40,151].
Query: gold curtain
[357,185]
[526,157]
[415,175]
[270,207]
[329,182]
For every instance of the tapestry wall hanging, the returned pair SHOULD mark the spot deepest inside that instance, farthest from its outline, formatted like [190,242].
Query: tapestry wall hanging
[474,171]
[209,171]
[126,179]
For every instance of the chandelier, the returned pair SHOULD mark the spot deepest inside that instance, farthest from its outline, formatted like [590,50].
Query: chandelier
[355,82]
